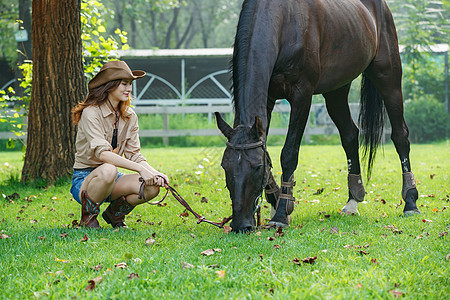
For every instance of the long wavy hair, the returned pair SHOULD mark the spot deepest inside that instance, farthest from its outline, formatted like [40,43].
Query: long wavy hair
[98,96]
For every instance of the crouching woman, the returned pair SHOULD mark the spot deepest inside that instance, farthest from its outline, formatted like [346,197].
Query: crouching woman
[107,138]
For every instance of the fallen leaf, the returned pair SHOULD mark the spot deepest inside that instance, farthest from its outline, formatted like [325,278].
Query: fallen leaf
[334,230]
[42,237]
[204,200]
[319,191]
[4,236]
[279,231]
[374,261]
[362,252]
[221,273]
[383,201]
[207,252]
[61,260]
[447,257]
[121,265]
[261,256]
[427,221]
[270,238]
[185,214]
[217,250]
[432,176]
[359,286]
[435,210]
[384,215]
[33,221]
[271,290]
[443,234]
[226,229]
[93,282]
[64,235]
[310,260]
[85,238]
[396,294]
[185,265]
[276,246]
[214,266]
[133,276]
[149,241]
[97,267]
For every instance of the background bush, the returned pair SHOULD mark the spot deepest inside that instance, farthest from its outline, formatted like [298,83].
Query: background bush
[427,120]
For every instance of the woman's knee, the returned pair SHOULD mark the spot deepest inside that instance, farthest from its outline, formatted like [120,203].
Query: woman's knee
[107,173]
[151,191]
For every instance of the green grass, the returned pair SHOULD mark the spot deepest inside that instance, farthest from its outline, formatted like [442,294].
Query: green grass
[37,262]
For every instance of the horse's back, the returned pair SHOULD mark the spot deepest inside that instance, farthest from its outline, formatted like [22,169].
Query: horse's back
[337,40]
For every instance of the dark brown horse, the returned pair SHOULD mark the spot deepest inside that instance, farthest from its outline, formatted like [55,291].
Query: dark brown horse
[292,50]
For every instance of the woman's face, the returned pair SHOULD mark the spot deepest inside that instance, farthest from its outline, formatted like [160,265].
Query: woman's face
[122,92]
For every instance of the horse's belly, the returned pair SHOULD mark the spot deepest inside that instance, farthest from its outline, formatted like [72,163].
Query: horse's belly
[347,45]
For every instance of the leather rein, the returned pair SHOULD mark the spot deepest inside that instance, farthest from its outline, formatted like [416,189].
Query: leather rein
[200,218]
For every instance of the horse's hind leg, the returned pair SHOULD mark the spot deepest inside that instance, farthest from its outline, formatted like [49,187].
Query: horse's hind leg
[337,106]
[385,73]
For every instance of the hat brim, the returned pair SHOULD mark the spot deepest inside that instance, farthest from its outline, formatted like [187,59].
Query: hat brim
[111,74]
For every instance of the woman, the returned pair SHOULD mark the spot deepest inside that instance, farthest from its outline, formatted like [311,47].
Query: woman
[107,138]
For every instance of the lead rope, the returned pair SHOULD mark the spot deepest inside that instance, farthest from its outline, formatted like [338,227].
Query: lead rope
[183,202]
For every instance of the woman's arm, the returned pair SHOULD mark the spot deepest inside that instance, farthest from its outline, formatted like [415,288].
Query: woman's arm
[165,179]
[148,174]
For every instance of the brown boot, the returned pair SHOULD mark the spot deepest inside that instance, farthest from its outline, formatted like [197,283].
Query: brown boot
[115,213]
[89,212]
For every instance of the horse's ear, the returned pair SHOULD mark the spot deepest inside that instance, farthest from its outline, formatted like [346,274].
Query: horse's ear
[226,130]
[257,128]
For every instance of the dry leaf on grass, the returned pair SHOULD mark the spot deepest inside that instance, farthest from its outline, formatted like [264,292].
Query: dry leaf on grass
[97,267]
[396,294]
[334,230]
[307,260]
[121,265]
[133,276]
[226,229]
[93,282]
[4,236]
[185,265]
[85,238]
[221,273]
[149,241]
[209,252]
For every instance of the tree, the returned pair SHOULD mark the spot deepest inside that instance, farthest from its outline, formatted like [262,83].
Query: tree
[58,84]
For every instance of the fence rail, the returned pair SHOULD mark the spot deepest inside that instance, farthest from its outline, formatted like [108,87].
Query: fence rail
[319,122]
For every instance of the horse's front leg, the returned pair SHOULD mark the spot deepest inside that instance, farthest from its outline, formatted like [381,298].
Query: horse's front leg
[272,190]
[300,108]
[337,107]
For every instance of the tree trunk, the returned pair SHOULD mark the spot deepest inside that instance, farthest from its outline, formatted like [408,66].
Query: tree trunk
[58,84]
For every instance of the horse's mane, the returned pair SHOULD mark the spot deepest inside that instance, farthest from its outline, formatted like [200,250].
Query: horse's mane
[241,50]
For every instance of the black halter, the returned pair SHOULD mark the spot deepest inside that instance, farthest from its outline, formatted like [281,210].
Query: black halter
[267,162]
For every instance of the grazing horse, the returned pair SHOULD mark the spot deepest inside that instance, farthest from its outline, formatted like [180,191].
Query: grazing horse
[292,50]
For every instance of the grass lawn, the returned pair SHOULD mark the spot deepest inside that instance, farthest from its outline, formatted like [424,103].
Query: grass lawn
[379,254]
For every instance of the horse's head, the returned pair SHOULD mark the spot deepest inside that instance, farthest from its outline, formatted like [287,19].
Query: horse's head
[247,166]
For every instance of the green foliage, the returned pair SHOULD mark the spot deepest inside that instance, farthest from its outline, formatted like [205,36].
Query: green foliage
[98,48]
[427,120]
[365,257]
[8,27]
[421,24]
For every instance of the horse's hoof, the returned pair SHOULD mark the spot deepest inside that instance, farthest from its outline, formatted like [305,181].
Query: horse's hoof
[408,213]
[277,224]
[351,208]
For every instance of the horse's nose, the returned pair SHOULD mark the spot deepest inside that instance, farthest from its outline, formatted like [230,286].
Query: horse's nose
[243,228]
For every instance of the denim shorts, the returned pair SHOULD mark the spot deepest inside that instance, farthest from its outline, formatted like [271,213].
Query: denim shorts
[77,181]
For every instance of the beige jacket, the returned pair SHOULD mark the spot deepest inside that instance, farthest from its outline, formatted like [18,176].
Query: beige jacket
[94,135]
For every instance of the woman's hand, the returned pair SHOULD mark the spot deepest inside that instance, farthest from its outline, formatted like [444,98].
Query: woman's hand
[164,178]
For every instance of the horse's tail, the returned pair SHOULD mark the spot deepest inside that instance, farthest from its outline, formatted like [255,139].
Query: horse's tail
[371,121]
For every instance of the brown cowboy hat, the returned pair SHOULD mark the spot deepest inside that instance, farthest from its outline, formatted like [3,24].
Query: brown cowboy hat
[114,70]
